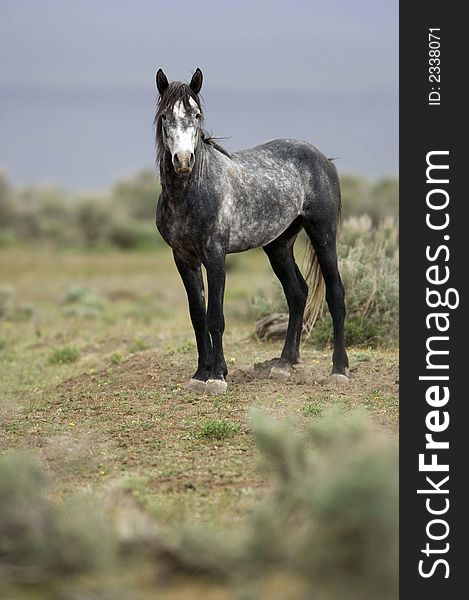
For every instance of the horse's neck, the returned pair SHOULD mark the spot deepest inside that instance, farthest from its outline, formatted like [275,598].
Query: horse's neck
[172,184]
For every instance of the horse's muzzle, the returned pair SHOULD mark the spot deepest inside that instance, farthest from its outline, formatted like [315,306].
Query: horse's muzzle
[183,162]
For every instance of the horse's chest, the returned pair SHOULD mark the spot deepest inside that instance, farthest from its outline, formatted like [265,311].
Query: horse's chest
[183,230]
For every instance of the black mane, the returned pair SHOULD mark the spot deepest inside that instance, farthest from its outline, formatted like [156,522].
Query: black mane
[211,141]
[179,91]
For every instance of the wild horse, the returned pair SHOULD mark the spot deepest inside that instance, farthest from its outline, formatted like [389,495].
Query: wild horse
[213,203]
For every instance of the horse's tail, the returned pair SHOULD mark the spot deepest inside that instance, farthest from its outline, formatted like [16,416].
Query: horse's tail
[316,289]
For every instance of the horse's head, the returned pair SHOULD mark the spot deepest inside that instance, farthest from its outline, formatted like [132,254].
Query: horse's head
[179,119]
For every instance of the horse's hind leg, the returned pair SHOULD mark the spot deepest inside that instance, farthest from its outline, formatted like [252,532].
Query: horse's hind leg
[191,276]
[323,238]
[280,253]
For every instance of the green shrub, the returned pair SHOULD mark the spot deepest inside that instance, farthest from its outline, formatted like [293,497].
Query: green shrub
[312,409]
[218,429]
[369,266]
[24,513]
[137,196]
[80,301]
[260,305]
[64,355]
[93,219]
[35,533]
[138,345]
[334,505]
[115,358]
[127,233]
[82,539]
[43,212]
[55,215]
[75,293]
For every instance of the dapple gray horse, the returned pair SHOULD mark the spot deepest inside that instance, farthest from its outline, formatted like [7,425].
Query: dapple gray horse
[213,203]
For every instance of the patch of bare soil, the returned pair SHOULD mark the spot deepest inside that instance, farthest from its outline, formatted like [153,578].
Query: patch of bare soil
[135,420]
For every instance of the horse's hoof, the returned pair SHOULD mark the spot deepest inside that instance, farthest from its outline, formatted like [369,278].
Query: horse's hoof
[338,378]
[216,386]
[279,373]
[197,386]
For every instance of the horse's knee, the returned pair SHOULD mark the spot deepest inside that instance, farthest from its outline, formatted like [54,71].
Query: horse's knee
[297,303]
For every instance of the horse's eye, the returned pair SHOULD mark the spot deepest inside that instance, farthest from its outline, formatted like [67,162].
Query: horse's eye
[163,117]
[198,116]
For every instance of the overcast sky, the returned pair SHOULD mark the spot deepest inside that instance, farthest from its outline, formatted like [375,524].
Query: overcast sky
[77,89]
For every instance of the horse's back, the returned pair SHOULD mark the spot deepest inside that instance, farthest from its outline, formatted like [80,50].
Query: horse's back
[287,150]
[267,187]
[296,166]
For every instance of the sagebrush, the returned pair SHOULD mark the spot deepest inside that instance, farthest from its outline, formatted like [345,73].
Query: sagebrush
[327,526]
[369,267]
[124,216]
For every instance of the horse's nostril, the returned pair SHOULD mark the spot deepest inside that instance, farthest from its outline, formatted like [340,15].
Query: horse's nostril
[182,162]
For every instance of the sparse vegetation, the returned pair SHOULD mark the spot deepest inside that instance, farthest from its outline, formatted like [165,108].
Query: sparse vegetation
[312,409]
[115,358]
[137,346]
[64,355]
[218,429]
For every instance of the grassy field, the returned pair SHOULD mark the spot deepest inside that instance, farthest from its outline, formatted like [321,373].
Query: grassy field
[95,349]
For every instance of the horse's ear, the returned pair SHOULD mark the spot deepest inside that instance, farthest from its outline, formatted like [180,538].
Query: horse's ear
[161,81]
[196,81]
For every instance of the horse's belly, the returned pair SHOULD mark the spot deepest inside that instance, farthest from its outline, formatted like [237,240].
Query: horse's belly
[253,230]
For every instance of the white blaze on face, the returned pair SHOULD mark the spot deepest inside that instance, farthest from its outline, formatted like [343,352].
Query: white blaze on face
[183,132]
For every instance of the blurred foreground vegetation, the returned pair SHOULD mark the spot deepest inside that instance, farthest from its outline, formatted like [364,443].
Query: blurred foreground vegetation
[326,528]
[124,216]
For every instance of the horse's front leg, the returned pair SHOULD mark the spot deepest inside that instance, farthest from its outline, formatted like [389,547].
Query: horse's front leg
[216,274]
[191,276]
